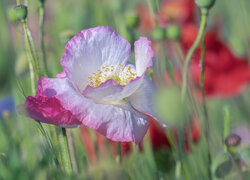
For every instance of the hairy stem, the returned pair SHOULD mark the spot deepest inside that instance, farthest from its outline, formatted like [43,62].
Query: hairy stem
[204,106]
[42,46]
[192,50]
[63,140]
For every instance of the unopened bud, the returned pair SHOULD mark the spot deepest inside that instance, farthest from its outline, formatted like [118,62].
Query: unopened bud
[11,13]
[131,19]
[173,32]
[158,34]
[232,140]
[205,3]
[21,12]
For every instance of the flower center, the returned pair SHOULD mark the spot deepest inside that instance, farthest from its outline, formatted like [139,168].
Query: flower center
[121,75]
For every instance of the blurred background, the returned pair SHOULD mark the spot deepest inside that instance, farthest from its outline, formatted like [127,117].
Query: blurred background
[178,152]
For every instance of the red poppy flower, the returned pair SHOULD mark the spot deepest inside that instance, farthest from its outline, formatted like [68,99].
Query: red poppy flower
[180,11]
[225,74]
[159,139]
[146,21]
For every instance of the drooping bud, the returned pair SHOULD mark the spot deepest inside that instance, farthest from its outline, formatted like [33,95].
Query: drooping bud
[207,4]
[173,32]
[158,33]
[131,19]
[232,140]
[21,12]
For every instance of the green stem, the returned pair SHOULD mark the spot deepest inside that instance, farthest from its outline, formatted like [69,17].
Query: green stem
[65,151]
[178,166]
[245,12]
[169,64]
[72,151]
[18,2]
[204,106]
[41,24]
[119,153]
[34,73]
[204,13]
[45,134]
[31,51]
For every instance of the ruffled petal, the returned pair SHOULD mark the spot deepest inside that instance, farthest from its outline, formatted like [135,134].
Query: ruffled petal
[58,102]
[47,108]
[89,50]
[143,55]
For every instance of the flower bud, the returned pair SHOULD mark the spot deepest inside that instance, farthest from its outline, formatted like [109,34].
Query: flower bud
[131,19]
[173,32]
[205,3]
[158,34]
[21,12]
[11,13]
[232,140]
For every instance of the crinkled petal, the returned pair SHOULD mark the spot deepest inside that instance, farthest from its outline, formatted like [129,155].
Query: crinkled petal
[58,102]
[143,55]
[89,50]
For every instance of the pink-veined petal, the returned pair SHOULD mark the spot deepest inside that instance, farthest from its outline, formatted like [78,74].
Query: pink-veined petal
[58,102]
[143,55]
[87,51]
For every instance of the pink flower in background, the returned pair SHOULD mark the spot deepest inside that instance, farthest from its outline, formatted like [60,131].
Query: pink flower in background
[98,87]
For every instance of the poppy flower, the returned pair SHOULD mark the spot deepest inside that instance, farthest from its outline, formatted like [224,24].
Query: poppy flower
[98,87]
[159,139]
[146,21]
[180,11]
[225,74]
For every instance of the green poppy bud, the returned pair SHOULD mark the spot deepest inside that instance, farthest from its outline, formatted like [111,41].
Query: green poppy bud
[173,32]
[21,12]
[11,13]
[205,3]
[158,34]
[232,140]
[131,19]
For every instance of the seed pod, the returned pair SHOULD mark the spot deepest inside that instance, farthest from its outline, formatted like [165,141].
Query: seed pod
[11,13]
[21,12]
[205,3]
